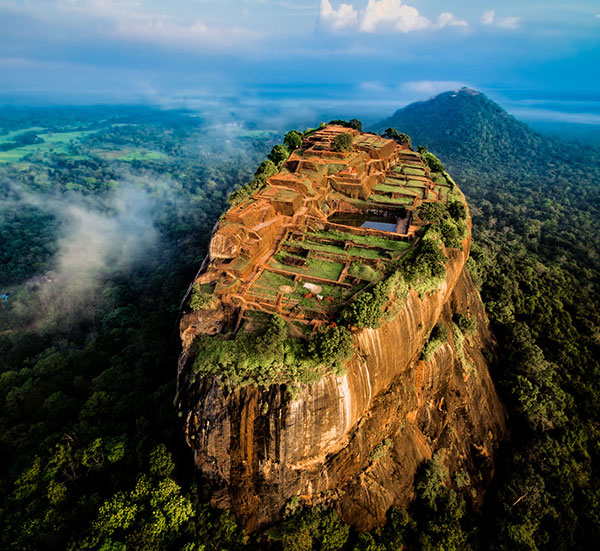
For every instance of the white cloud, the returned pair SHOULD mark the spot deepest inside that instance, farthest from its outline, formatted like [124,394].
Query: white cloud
[383,16]
[509,22]
[345,16]
[130,20]
[448,19]
[489,18]
[392,14]
[431,87]
[193,35]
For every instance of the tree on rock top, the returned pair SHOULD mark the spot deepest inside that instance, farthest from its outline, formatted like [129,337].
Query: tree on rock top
[401,138]
[279,154]
[292,140]
[342,142]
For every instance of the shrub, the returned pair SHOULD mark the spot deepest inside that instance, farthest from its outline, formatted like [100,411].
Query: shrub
[457,210]
[333,345]
[402,139]
[380,450]
[448,221]
[265,170]
[438,336]
[342,142]
[426,269]
[292,140]
[432,212]
[451,235]
[199,299]
[279,154]
[466,324]
[434,164]
[308,529]
[366,310]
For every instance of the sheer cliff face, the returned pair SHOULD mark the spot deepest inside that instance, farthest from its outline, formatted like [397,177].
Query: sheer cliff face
[355,442]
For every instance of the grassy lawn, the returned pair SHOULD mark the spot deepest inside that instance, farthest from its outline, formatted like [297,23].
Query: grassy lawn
[353,251]
[416,184]
[373,240]
[414,171]
[314,267]
[13,155]
[311,246]
[391,201]
[443,191]
[269,283]
[440,179]
[387,188]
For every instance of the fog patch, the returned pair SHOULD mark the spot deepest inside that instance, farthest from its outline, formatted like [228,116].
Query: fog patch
[98,241]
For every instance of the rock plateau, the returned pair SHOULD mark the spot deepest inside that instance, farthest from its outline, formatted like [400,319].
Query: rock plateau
[352,440]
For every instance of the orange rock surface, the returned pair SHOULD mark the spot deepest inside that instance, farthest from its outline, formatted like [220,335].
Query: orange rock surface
[257,448]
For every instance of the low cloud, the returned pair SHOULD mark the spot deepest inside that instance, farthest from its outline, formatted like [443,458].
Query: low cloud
[382,16]
[431,87]
[489,18]
[343,17]
[97,240]
[193,35]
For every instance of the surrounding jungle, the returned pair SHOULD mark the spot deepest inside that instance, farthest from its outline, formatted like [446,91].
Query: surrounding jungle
[105,216]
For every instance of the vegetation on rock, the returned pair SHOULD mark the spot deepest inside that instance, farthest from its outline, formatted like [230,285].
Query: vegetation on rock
[438,336]
[342,142]
[401,138]
[273,357]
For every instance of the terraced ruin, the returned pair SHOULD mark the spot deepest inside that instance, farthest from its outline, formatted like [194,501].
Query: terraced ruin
[326,226]
[334,334]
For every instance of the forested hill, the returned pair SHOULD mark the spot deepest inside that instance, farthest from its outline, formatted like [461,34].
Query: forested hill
[468,128]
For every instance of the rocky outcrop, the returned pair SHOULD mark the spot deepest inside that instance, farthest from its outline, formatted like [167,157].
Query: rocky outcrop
[355,441]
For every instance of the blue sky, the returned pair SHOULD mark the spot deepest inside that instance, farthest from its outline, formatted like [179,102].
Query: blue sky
[366,54]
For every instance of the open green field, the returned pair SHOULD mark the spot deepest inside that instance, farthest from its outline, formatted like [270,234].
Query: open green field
[142,155]
[9,136]
[54,142]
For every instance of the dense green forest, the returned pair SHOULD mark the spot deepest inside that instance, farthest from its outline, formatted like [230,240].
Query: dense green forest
[90,451]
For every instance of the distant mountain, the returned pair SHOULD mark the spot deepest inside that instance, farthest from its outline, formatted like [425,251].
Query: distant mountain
[468,130]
